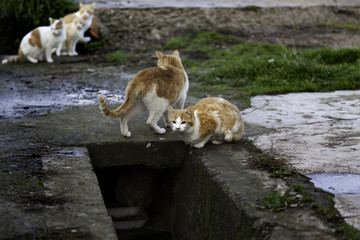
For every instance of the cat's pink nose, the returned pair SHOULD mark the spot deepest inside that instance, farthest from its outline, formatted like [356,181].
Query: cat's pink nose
[177,129]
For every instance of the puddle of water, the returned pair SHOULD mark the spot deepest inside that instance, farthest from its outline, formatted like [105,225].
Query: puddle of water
[337,182]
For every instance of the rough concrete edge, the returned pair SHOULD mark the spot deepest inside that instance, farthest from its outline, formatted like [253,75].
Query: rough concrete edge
[306,225]
[84,208]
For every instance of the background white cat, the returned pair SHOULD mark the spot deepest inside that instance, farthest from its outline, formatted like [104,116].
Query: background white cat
[40,42]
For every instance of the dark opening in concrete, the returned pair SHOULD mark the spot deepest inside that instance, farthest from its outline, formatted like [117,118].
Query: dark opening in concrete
[162,190]
[137,181]
[140,200]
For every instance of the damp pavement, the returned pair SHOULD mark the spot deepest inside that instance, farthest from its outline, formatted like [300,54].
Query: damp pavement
[319,135]
[49,115]
[48,187]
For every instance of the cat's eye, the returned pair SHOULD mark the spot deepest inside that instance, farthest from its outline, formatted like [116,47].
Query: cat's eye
[183,122]
[173,122]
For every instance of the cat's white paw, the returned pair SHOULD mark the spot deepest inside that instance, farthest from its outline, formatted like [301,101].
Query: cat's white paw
[73,54]
[86,39]
[161,131]
[199,145]
[50,60]
[217,142]
[228,138]
[128,134]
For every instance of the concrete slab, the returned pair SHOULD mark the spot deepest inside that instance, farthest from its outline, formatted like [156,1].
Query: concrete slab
[315,132]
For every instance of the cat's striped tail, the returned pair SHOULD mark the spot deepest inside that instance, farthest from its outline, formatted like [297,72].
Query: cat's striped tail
[120,111]
[12,60]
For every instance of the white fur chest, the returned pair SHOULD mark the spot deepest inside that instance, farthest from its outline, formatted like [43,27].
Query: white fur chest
[193,132]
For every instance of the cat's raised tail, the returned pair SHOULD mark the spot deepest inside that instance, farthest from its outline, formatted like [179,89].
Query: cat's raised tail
[130,100]
[12,60]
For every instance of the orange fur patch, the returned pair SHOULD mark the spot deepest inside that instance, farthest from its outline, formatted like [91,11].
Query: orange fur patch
[59,25]
[215,116]
[69,18]
[35,40]
[168,78]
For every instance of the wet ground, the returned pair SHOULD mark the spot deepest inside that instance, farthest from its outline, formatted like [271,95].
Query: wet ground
[30,90]
[32,96]
[319,135]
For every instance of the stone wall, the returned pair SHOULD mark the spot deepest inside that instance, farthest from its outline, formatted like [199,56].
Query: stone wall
[141,27]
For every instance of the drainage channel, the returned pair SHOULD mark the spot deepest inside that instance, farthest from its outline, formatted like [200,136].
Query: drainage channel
[159,190]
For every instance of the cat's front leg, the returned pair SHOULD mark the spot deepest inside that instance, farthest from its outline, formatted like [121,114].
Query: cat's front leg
[216,142]
[202,142]
[124,128]
[48,56]
[165,121]
[154,116]
[158,129]
[31,59]
[58,50]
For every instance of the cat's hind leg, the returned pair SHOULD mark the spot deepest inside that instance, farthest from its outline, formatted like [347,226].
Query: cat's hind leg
[152,121]
[135,110]
[156,107]
[238,131]
[31,59]
[228,136]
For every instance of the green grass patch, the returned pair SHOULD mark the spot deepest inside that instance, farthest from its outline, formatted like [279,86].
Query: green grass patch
[260,68]
[275,167]
[94,46]
[118,56]
[348,232]
[348,25]
[293,197]
[201,45]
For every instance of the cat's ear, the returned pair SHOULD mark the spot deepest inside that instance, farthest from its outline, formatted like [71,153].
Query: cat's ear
[176,53]
[190,111]
[51,20]
[158,54]
[81,5]
[170,108]
[93,4]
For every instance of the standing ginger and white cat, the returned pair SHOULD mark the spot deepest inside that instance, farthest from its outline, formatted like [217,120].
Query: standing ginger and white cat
[211,119]
[74,31]
[152,89]
[40,42]
[84,16]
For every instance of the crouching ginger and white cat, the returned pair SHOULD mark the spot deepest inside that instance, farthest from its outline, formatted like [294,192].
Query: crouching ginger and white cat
[152,89]
[211,119]
[40,42]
